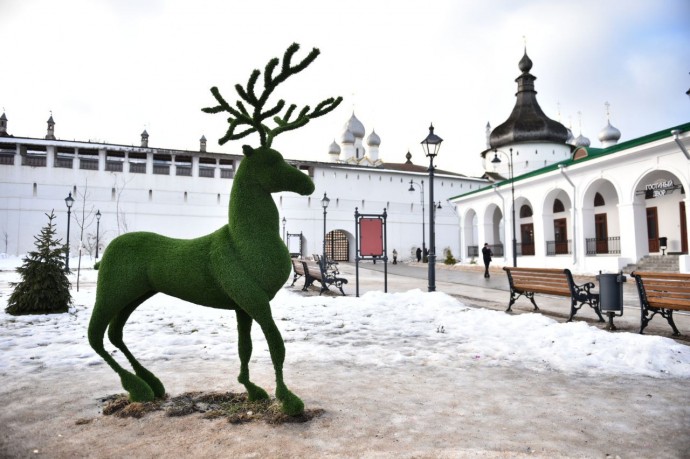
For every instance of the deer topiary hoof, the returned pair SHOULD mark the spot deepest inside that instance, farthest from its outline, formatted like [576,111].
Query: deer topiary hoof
[255,392]
[152,381]
[138,390]
[292,405]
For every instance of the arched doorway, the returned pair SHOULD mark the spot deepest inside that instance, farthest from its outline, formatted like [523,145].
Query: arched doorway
[337,246]
[557,224]
[470,224]
[663,196]
[600,219]
[525,246]
[494,229]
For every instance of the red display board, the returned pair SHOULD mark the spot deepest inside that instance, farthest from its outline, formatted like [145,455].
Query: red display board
[371,239]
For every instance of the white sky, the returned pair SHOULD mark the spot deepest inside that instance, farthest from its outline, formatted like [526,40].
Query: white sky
[375,330]
[110,69]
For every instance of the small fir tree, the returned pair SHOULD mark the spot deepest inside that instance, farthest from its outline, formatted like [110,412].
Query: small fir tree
[450,259]
[44,288]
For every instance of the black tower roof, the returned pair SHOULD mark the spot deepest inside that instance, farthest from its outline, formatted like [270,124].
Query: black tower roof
[527,122]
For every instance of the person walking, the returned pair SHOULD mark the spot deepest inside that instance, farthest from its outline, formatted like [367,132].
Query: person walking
[486,254]
[419,254]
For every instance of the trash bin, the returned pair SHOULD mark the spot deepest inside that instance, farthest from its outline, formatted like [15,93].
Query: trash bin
[611,295]
[663,244]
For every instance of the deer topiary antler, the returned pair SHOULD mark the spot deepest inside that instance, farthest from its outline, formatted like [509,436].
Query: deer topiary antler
[254,121]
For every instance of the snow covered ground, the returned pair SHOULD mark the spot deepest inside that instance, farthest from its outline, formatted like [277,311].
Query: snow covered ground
[377,329]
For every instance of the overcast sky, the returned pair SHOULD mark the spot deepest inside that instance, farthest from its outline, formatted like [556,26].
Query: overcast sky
[110,69]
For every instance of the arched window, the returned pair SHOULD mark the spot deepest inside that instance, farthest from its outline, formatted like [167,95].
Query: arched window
[558,206]
[598,200]
[525,211]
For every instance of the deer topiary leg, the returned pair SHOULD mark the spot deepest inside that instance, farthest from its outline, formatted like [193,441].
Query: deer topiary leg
[292,404]
[244,344]
[103,314]
[115,334]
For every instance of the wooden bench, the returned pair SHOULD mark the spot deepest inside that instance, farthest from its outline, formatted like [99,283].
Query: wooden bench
[559,282]
[315,272]
[299,270]
[331,266]
[662,293]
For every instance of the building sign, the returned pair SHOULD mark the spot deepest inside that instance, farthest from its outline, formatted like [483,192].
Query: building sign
[371,241]
[659,188]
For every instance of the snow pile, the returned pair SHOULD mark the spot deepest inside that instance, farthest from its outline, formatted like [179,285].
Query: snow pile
[413,328]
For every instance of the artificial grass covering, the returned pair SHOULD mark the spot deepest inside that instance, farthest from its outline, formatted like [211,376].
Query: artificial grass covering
[240,266]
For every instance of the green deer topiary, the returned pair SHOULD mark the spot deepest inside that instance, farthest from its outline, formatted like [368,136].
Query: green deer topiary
[241,266]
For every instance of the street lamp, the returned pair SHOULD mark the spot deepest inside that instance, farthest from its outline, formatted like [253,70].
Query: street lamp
[324,203]
[421,196]
[69,200]
[495,161]
[98,227]
[284,222]
[431,145]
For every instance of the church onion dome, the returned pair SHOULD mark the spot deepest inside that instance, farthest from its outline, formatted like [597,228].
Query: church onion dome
[334,149]
[525,64]
[609,134]
[527,122]
[348,137]
[3,117]
[582,141]
[373,140]
[355,127]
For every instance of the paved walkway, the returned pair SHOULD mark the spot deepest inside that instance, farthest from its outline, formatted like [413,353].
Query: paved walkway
[468,284]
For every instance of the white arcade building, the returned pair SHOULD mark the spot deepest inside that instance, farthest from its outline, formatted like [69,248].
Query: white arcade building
[564,204]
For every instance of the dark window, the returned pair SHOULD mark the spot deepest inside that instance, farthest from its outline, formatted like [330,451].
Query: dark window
[525,211]
[558,206]
[598,200]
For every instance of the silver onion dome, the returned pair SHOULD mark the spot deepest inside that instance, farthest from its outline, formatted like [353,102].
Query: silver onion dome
[582,141]
[348,137]
[609,134]
[373,140]
[355,127]
[334,149]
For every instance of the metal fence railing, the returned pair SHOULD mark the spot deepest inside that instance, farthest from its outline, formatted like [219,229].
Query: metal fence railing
[600,246]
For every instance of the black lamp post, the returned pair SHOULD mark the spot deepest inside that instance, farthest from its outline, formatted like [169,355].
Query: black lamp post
[324,203]
[69,200]
[284,222]
[98,227]
[421,186]
[497,160]
[431,145]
